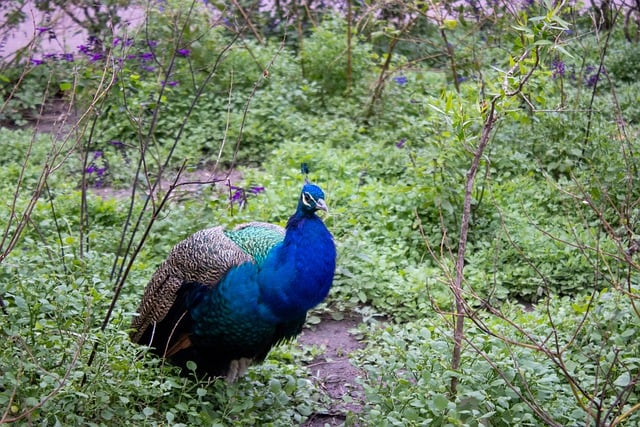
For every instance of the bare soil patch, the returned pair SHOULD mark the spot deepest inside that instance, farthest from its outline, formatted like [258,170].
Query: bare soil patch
[333,371]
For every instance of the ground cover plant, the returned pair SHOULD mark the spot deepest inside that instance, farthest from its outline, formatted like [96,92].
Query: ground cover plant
[480,165]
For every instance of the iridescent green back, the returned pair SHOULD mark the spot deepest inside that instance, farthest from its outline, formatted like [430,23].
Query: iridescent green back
[256,239]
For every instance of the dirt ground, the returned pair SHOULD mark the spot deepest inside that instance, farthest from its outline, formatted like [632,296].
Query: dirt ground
[333,371]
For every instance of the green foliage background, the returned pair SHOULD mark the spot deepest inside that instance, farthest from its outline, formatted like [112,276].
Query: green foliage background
[554,210]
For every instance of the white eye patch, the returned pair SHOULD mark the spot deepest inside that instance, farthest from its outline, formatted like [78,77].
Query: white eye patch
[307,199]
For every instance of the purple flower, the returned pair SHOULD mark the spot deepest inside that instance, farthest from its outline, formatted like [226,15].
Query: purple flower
[592,75]
[97,154]
[123,42]
[95,57]
[592,80]
[67,57]
[117,144]
[152,43]
[84,49]
[37,61]
[238,196]
[183,52]
[558,68]
[256,189]
[170,83]
[401,80]
[147,56]
[91,168]
[101,171]
[400,144]
[41,30]
[148,68]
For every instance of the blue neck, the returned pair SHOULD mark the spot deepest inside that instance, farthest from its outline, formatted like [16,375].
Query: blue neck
[298,273]
[295,276]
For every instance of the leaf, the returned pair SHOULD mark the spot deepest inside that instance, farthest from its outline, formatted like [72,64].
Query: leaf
[338,315]
[628,333]
[564,51]
[314,320]
[623,380]
[65,86]
[440,402]
[450,24]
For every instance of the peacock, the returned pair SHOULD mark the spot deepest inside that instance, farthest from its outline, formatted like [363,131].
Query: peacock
[224,298]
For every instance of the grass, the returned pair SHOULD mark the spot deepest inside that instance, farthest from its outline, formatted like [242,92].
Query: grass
[553,222]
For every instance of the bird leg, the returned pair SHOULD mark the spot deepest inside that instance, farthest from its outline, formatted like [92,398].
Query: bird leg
[238,368]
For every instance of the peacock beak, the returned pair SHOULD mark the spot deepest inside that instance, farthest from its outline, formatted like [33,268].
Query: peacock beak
[320,204]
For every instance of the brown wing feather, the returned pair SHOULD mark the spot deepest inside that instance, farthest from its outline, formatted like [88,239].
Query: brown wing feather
[204,257]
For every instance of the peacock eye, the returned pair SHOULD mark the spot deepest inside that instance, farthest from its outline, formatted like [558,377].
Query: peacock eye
[306,199]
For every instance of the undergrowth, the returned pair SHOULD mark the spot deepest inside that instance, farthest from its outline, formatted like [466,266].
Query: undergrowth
[550,274]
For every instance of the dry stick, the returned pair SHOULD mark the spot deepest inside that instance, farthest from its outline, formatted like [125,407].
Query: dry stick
[301,45]
[250,24]
[223,143]
[534,406]
[58,231]
[555,357]
[349,65]
[124,272]
[587,132]
[84,212]
[452,60]
[12,215]
[581,248]
[382,77]
[29,49]
[462,244]
[122,276]
[626,414]
[5,251]
[49,167]
[142,152]
[622,397]
[142,164]
[245,112]
[129,265]
[629,204]
[456,286]
[84,209]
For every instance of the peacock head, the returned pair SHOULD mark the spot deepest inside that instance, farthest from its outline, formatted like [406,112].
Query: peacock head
[311,199]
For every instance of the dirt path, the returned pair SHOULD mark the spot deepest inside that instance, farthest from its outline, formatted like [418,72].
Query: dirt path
[333,371]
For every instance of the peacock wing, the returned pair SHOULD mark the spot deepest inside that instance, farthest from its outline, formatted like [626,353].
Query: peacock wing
[204,257]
